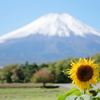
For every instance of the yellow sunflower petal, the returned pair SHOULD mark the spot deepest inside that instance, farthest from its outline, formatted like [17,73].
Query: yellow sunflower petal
[84,73]
[92,62]
[80,60]
[95,66]
[85,60]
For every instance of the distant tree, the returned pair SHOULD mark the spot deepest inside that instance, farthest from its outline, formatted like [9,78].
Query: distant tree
[43,76]
[26,64]
[58,69]
[17,75]
[5,73]
[43,65]
[52,69]
[29,71]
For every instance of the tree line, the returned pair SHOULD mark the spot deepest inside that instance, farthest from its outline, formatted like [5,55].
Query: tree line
[55,72]
[23,73]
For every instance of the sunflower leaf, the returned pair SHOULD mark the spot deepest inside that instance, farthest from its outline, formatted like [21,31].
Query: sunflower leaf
[97,97]
[83,97]
[72,91]
[77,93]
[87,97]
[79,98]
[71,97]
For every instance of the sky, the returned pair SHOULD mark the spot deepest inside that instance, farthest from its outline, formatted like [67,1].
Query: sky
[15,14]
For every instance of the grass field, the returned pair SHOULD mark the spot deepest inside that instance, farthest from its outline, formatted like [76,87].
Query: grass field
[29,93]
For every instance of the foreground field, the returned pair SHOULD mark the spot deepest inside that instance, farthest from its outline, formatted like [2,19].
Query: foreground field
[34,99]
[28,93]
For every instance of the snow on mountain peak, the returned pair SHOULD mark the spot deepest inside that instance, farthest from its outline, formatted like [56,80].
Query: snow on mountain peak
[52,24]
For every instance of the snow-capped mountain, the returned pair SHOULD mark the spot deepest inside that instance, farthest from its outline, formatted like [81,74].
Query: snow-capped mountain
[51,25]
[52,37]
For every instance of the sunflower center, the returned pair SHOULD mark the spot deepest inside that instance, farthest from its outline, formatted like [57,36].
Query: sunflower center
[84,73]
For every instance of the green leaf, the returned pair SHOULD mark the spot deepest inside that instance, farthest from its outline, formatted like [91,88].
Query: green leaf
[79,98]
[60,97]
[91,86]
[72,91]
[77,93]
[87,97]
[95,98]
[71,97]
[98,95]
[83,97]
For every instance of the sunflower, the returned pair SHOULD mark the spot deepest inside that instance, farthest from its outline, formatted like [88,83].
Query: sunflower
[83,73]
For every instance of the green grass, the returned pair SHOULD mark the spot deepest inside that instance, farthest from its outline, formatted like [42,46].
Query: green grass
[35,99]
[30,93]
[27,90]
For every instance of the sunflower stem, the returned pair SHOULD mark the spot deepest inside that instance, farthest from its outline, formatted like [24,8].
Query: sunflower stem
[84,91]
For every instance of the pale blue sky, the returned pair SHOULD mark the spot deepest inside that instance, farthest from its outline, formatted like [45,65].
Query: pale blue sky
[17,13]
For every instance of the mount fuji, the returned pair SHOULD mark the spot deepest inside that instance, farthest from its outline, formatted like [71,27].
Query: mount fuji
[51,37]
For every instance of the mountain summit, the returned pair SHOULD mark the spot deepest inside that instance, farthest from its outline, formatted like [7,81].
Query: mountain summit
[50,25]
[52,37]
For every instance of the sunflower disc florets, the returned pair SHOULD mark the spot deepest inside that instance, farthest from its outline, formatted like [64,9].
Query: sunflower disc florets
[83,73]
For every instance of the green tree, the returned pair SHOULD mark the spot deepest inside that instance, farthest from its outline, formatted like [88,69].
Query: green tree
[43,65]
[58,69]
[29,71]
[6,73]
[52,69]
[17,75]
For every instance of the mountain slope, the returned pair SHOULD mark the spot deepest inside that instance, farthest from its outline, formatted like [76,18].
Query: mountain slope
[50,25]
[52,37]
